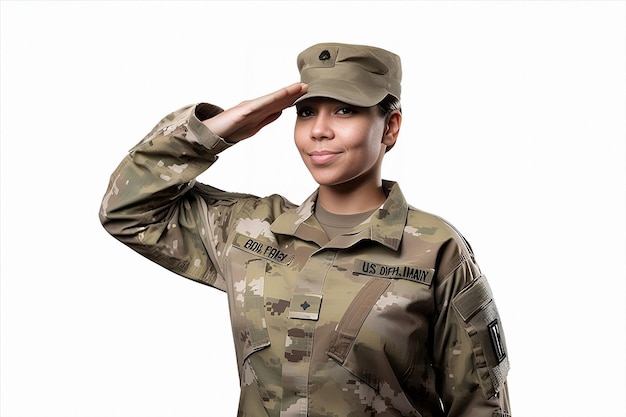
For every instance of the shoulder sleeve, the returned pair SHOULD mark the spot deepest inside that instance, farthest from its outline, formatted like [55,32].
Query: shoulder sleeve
[469,350]
[153,204]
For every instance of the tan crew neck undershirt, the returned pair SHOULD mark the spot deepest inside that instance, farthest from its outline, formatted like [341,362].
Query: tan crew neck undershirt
[336,224]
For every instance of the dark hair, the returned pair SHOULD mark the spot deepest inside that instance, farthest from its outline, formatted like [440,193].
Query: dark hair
[389,104]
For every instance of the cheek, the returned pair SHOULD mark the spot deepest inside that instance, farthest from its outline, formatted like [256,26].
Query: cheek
[298,137]
[371,140]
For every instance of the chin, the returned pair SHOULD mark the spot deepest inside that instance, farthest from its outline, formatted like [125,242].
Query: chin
[322,179]
[330,182]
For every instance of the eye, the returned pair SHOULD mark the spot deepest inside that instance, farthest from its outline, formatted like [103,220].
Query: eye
[304,112]
[346,110]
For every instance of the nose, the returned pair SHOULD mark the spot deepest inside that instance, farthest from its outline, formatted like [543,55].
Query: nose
[321,128]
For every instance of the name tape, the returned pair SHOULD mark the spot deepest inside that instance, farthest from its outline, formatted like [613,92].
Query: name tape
[411,273]
[263,248]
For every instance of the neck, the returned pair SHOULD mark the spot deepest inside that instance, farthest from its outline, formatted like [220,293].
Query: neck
[350,198]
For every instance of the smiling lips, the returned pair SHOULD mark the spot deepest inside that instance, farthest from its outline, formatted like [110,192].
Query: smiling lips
[322,157]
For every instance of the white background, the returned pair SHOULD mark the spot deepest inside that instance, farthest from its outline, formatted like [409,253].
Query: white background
[514,130]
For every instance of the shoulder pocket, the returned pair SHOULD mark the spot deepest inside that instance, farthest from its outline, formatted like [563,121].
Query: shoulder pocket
[479,314]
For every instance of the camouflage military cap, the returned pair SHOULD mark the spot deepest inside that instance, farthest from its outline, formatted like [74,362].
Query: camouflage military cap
[355,74]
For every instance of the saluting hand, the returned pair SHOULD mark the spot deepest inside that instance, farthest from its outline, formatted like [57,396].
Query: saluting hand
[248,117]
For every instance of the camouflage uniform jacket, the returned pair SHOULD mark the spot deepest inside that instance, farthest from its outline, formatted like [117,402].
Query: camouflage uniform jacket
[392,319]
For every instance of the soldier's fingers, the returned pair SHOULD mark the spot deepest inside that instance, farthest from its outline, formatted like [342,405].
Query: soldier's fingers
[248,117]
[278,100]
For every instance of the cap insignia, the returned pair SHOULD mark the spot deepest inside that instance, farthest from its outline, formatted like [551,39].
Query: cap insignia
[325,55]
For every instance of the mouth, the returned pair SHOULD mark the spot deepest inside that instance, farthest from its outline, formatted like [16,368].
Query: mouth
[322,157]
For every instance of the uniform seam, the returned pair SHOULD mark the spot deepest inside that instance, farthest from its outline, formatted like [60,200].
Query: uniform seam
[460,262]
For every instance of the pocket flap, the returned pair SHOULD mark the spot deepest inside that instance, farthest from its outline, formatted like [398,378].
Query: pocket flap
[353,318]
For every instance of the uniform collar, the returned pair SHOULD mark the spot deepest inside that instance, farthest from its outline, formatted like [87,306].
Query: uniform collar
[384,226]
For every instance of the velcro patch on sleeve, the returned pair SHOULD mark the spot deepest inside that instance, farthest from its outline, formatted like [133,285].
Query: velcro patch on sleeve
[496,340]
[478,311]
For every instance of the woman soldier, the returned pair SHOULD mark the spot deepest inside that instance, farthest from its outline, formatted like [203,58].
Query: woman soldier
[351,304]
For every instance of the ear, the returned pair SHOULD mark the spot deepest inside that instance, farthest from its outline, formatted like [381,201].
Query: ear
[392,129]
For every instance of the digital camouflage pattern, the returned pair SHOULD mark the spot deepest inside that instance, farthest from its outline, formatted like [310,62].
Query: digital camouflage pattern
[392,319]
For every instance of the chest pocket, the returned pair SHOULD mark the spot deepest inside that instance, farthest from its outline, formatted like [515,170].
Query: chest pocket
[348,328]
[380,348]
[252,327]
[250,262]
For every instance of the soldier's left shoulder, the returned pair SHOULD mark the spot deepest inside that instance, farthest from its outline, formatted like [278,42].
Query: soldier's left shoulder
[431,225]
